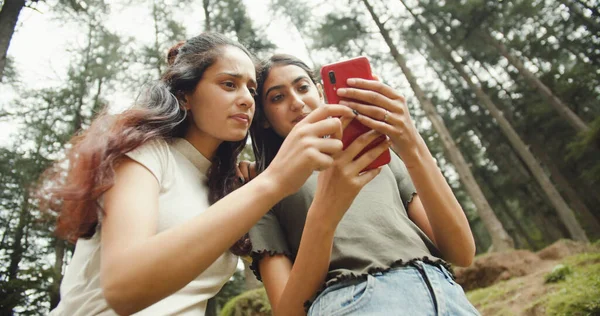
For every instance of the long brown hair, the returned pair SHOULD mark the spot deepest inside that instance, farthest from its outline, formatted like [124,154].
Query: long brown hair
[94,153]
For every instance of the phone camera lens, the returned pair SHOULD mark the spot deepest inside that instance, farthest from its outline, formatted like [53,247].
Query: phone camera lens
[332,77]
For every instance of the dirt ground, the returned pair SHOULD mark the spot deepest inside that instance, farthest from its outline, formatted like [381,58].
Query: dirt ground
[524,273]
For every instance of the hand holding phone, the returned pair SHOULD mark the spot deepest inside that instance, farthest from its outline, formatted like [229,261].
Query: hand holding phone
[334,77]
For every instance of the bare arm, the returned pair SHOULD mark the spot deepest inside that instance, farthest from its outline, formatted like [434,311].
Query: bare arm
[289,288]
[417,214]
[140,267]
[449,225]
[390,116]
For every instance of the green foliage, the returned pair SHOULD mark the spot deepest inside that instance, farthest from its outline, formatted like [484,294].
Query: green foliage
[339,32]
[167,31]
[502,291]
[298,12]
[576,294]
[25,277]
[48,118]
[231,289]
[559,273]
[556,42]
[579,148]
[579,293]
[569,70]
[230,17]
[247,153]
[253,302]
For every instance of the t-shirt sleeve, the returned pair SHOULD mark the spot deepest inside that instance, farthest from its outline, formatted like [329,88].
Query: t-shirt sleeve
[267,238]
[405,185]
[153,156]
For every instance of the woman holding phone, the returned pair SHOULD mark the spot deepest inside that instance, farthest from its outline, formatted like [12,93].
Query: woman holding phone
[148,195]
[375,242]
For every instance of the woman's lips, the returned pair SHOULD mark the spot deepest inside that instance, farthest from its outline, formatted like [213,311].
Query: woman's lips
[242,118]
[299,118]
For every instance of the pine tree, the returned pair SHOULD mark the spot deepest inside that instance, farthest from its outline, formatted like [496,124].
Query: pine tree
[500,239]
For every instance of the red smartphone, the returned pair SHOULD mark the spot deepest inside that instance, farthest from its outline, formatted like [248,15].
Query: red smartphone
[334,77]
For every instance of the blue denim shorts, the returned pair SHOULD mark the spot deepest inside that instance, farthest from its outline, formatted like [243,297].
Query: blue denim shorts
[416,289]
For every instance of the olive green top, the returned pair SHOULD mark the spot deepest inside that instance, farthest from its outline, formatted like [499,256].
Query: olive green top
[374,235]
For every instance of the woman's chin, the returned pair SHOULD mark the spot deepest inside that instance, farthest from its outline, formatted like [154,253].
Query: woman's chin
[235,137]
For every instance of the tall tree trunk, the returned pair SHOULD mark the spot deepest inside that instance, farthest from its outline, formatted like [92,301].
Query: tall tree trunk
[574,9]
[206,6]
[563,110]
[494,151]
[20,244]
[589,192]
[577,203]
[83,86]
[519,172]
[97,107]
[500,238]
[6,230]
[59,259]
[158,65]
[13,294]
[552,193]
[565,213]
[481,131]
[577,188]
[508,211]
[9,15]
[574,198]
[550,232]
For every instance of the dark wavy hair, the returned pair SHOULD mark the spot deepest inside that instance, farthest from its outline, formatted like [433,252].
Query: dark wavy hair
[265,141]
[158,114]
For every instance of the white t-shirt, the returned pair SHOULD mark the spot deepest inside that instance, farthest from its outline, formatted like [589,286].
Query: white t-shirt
[181,173]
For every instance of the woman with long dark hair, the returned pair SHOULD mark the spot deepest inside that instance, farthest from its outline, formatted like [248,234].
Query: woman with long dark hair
[353,242]
[149,194]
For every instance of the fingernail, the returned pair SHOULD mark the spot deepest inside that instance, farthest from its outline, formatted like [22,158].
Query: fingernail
[355,112]
[242,180]
[342,102]
[341,91]
[351,81]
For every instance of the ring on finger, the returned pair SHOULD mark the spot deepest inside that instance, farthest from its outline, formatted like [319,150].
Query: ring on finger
[386,115]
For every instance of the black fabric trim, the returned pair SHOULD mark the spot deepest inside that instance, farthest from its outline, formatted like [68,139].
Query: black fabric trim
[412,196]
[363,276]
[258,255]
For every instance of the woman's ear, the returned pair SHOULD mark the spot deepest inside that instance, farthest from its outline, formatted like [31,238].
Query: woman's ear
[183,101]
[320,89]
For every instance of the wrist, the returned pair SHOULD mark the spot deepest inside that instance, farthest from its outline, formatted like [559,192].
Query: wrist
[269,186]
[416,154]
[320,224]
[323,210]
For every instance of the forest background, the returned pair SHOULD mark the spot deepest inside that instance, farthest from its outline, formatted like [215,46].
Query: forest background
[505,93]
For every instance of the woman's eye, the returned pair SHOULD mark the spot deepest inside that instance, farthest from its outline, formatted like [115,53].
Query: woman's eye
[276,98]
[252,92]
[303,88]
[229,84]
